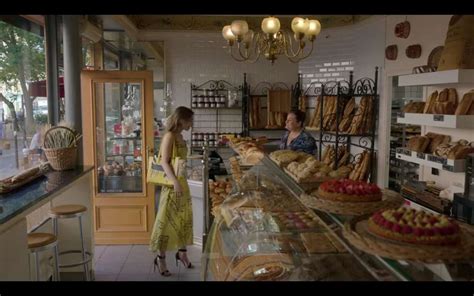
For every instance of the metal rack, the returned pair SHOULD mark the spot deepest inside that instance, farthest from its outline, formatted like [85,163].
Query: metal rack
[344,91]
[222,119]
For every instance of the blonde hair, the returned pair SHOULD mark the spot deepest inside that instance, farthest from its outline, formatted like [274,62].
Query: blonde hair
[181,113]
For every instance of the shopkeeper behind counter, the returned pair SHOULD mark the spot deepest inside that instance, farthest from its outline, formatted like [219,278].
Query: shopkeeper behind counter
[296,138]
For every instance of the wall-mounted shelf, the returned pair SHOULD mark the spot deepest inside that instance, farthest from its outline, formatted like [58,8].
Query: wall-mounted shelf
[438,120]
[437,78]
[449,165]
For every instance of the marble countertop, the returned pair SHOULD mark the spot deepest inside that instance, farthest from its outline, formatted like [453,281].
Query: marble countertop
[19,200]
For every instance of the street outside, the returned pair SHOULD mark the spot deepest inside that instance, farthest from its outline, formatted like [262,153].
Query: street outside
[8,156]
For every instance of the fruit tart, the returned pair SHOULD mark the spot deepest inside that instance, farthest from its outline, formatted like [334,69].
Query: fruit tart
[412,226]
[346,190]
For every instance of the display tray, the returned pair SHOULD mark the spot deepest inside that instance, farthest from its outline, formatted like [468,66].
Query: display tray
[390,199]
[118,184]
[357,233]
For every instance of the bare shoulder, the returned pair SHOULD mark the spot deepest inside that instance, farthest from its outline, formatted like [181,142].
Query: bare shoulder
[168,137]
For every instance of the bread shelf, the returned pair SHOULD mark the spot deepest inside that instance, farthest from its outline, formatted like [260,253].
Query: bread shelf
[449,165]
[437,78]
[446,121]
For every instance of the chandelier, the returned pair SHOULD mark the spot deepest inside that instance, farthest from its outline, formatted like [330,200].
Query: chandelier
[272,42]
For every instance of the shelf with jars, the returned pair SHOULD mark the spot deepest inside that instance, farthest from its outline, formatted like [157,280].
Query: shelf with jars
[218,111]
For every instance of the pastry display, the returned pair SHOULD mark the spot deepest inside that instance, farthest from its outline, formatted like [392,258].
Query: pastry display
[112,168]
[218,191]
[349,191]
[249,151]
[416,227]
[290,221]
[320,243]
[436,140]
[329,156]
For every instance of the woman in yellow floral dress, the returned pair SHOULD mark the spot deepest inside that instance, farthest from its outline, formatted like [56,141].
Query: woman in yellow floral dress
[173,229]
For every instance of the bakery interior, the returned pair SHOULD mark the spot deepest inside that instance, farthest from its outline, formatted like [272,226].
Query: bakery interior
[389,100]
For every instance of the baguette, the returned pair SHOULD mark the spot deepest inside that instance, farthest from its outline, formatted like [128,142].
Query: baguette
[26,174]
[453,96]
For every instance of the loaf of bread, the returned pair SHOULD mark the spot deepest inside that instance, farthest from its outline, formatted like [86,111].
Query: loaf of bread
[466,104]
[430,103]
[418,143]
[26,174]
[436,140]
[414,107]
[443,96]
[460,151]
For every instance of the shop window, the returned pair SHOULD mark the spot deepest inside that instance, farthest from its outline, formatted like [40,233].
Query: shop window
[23,98]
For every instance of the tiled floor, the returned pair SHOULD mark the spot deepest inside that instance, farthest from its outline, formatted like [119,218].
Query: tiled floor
[135,263]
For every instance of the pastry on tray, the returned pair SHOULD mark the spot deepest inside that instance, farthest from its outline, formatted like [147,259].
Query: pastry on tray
[347,190]
[412,226]
[316,243]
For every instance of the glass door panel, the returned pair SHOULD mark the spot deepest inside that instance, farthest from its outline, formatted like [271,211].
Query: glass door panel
[119,139]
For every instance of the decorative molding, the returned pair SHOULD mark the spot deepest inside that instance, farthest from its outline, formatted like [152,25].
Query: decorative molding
[215,23]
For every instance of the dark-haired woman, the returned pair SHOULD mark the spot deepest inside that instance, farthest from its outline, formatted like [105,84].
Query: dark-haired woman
[296,138]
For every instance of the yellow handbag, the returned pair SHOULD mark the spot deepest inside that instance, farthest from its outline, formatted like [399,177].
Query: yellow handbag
[156,173]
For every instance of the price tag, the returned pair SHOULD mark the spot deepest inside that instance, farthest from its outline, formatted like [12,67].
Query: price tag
[407,152]
[401,115]
[448,168]
[420,155]
[437,159]
[438,117]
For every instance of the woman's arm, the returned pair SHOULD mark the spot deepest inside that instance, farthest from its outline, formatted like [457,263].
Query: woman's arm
[166,153]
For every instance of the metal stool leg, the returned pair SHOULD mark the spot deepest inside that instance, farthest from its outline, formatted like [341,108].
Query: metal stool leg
[84,257]
[37,266]
[56,264]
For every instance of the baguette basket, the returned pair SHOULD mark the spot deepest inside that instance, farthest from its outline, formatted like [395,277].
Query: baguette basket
[63,158]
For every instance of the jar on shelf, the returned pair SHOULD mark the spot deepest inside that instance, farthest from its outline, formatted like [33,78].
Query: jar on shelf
[200,105]
[194,105]
[199,136]
[212,105]
[212,99]
[195,143]
[222,99]
[194,99]
[200,99]
[206,99]
[212,136]
[206,105]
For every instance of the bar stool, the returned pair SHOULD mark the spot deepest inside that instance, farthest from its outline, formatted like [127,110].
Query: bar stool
[67,212]
[38,242]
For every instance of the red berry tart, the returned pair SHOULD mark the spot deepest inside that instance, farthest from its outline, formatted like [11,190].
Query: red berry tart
[349,190]
[412,226]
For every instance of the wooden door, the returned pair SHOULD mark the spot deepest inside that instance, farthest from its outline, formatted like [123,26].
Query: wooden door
[117,118]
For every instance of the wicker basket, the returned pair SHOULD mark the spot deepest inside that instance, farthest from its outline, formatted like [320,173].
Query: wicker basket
[61,159]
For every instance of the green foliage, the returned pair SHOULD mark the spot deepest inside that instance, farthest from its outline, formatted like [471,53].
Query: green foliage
[41,119]
[22,54]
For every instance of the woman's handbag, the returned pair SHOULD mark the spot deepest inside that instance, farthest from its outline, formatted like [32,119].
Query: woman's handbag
[156,173]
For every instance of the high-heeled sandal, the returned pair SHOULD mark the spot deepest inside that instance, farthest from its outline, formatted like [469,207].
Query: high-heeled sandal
[165,272]
[178,258]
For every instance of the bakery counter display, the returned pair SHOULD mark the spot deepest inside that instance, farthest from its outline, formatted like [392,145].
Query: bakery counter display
[249,149]
[415,235]
[437,151]
[306,170]
[263,233]
[349,197]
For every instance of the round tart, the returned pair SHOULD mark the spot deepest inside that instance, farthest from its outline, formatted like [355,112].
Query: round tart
[349,191]
[412,226]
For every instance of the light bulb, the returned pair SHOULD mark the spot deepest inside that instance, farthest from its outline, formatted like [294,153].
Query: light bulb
[239,28]
[270,25]
[314,27]
[227,33]
[299,25]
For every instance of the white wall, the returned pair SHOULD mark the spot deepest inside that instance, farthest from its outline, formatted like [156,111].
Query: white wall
[195,57]
[429,31]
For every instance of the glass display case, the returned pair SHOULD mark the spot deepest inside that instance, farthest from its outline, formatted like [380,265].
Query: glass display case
[262,232]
